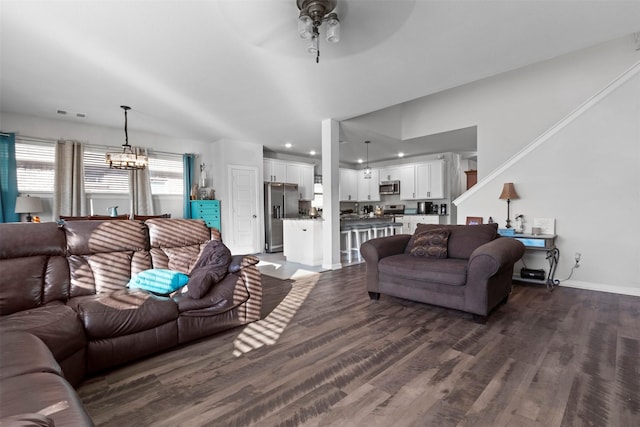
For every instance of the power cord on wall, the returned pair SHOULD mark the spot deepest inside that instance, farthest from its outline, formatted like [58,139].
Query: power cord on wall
[576,265]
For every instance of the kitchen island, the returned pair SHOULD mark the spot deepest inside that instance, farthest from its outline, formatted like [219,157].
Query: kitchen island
[302,240]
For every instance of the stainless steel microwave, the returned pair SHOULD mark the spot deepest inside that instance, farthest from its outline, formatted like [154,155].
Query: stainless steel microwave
[390,187]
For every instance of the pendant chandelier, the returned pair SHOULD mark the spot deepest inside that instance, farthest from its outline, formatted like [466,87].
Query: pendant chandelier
[312,14]
[130,158]
[367,169]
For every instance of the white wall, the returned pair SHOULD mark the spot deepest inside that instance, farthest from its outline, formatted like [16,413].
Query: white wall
[513,108]
[231,152]
[52,129]
[586,177]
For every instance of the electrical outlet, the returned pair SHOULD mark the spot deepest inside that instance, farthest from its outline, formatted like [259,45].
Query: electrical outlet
[578,255]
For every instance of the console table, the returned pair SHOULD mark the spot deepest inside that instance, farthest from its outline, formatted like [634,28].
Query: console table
[542,242]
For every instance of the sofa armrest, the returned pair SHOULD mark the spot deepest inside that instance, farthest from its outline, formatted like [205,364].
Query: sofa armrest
[489,274]
[491,257]
[375,249]
[239,262]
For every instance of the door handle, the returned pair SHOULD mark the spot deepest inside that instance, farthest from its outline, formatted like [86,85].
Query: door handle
[254,216]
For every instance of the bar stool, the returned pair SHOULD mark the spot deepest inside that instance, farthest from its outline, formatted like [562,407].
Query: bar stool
[359,231]
[394,228]
[379,227]
[346,232]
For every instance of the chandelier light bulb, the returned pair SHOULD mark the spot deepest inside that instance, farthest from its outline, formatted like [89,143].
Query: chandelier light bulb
[333,28]
[305,26]
[312,47]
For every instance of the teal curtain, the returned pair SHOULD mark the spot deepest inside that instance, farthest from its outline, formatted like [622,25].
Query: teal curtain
[8,179]
[189,162]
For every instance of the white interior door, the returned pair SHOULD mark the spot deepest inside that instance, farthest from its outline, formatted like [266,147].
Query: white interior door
[245,237]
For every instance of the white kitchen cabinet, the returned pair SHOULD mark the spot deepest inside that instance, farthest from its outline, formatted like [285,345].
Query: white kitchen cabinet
[301,174]
[408,182]
[435,180]
[423,181]
[348,190]
[291,172]
[392,173]
[306,182]
[368,189]
[302,241]
[275,170]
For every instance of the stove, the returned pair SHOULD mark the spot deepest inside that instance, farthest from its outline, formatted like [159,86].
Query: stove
[393,209]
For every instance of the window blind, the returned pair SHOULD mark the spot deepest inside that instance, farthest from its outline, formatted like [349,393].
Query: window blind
[35,167]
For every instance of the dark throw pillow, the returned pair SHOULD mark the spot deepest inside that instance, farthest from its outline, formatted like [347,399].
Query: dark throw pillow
[211,267]
[432,243]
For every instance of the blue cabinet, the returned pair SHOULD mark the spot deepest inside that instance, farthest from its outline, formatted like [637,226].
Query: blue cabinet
[207,210]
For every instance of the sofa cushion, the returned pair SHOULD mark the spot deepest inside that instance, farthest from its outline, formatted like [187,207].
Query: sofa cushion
[31,393]
[158,280]
[177,243]
[222,297]
[34,270]
[464,239]
[23,353]
[447,271]
[103,255]
[123,312]
[56,324]
[429,243]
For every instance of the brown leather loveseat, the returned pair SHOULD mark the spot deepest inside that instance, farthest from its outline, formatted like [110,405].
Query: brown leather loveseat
[464,267]
[66,287]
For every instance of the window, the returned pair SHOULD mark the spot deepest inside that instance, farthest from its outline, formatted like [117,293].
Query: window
[165,173]
[35,167]
[98,178]
[36,170]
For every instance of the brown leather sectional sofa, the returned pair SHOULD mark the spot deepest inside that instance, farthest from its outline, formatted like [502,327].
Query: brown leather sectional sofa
[472,273]
[66,312]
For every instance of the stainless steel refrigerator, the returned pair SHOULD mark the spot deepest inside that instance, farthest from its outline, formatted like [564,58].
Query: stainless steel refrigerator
[280,201]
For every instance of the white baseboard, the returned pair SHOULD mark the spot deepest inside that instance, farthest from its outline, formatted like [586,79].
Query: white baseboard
[337,266]
[602,287]
[588,286]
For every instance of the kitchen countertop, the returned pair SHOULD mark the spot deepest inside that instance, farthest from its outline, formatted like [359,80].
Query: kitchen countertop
[303,218]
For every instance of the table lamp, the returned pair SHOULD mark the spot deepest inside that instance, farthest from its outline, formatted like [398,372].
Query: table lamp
[28,205]
[508,192]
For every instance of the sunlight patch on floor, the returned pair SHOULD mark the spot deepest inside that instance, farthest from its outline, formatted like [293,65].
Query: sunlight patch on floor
[267,331]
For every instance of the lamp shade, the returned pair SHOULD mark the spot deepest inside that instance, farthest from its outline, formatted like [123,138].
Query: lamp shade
[28,204]
[509,192]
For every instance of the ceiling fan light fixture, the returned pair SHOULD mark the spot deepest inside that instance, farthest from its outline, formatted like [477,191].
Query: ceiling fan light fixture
[312,14]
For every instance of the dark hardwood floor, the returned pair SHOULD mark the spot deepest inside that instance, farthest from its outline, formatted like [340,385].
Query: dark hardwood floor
[324,354]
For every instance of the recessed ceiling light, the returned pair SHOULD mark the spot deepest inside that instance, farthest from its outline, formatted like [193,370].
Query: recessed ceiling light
[288,145]
[401,154]
[81,115]
[360,160]
[63,112]
[312,152]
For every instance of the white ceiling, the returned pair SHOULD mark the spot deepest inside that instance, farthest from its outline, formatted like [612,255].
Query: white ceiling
[235,69]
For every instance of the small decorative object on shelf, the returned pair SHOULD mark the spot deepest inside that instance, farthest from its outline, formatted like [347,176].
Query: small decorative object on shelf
[520,224]
[203,176]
